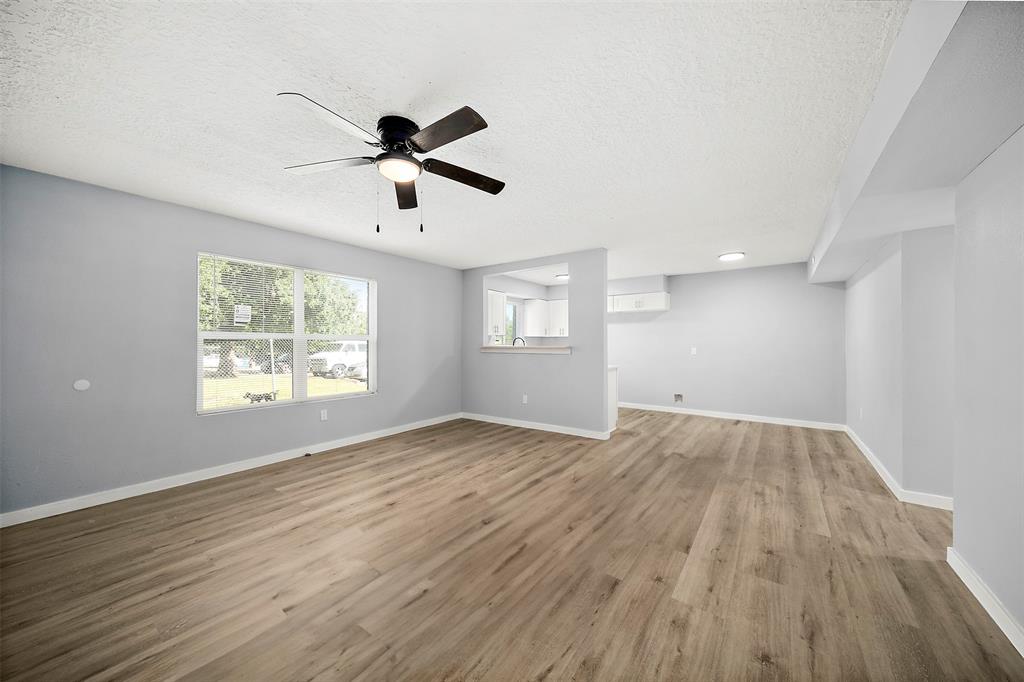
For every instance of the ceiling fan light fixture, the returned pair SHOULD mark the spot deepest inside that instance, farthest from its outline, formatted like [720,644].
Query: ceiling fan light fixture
[398,167]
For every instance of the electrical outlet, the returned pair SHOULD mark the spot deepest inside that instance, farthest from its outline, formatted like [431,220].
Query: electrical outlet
[525,398]
[678,397]
[323,415]
[693,350]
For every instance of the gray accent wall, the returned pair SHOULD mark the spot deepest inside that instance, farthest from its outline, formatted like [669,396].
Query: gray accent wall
[899,358]
[101,285]
[988,524]
[874,356]
[928,394]
[564,390]
[768,344]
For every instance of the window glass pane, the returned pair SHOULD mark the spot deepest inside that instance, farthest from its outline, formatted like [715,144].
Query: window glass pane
[239,296]
[335,305]
[239,372]
[337,367]
[510,322]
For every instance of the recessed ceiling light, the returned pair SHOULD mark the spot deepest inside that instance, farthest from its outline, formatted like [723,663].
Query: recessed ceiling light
[731,256]
[565,276]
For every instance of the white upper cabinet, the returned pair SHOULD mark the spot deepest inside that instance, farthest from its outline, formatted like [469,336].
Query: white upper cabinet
[536,314]
[558,318]
[546,318]
[634,303]
[495,313]
[625,302]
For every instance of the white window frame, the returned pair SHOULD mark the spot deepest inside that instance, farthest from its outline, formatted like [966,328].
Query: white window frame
[298,337]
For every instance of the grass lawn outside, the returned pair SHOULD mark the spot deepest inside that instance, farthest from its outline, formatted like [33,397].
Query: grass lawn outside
[221,392]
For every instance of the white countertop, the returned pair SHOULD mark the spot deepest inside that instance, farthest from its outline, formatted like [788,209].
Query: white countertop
[528,350]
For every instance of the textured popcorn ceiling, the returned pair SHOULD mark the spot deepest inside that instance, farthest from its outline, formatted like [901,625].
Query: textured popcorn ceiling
[667,133]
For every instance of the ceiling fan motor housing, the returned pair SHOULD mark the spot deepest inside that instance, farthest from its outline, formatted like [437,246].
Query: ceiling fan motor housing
[394,132]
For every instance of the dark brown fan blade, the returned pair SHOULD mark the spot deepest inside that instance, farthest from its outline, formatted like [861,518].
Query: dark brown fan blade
[406,192]
[466,177]
[457,124]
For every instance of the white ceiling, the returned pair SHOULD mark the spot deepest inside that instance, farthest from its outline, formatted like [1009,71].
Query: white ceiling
[665,133]
[546,275]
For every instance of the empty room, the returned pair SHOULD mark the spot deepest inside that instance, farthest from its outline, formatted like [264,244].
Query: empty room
[511,341]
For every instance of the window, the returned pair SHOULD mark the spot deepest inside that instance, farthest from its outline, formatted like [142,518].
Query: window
[510,322]
[260,322]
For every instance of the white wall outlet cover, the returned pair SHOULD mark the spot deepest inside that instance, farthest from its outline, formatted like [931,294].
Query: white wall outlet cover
[81,385]
[524,399]
[693,350]
[323,415]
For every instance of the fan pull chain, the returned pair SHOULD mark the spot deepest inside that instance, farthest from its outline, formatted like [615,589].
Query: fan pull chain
[421,209]
[378,205]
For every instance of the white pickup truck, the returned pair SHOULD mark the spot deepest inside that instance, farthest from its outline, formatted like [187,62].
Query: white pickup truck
[336,361]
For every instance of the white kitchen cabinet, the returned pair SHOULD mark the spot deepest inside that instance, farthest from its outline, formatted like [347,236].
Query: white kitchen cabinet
[536,314]
[558,318]
[632,303]
[625,302]
[546,318]
[655,300]
[495,313]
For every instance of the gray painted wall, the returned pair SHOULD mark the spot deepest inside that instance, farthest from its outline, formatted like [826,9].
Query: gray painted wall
[516,288]
[101,285]
[638,285]
[899,358]
[558,292]
[874,356]
[768,344]
[928,400]
[988,526]
[567,390]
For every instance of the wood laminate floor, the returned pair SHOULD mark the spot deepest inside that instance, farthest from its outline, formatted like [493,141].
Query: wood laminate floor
[684,548]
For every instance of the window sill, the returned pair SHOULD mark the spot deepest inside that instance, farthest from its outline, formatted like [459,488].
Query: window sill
[285,403]
[528,350]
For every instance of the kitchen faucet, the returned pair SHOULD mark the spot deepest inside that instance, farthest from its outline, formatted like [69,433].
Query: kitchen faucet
[518,338]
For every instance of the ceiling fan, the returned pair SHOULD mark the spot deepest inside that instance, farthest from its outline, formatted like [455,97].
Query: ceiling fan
[399,138]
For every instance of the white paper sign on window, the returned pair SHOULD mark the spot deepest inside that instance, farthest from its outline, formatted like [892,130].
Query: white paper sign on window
[243,314]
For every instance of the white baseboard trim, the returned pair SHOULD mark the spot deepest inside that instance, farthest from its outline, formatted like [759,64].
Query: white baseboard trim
[898,491]
[554,428]
[742,417]
[17,516]
[988,600]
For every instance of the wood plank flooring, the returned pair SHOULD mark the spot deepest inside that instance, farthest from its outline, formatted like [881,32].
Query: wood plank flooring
[684,548]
